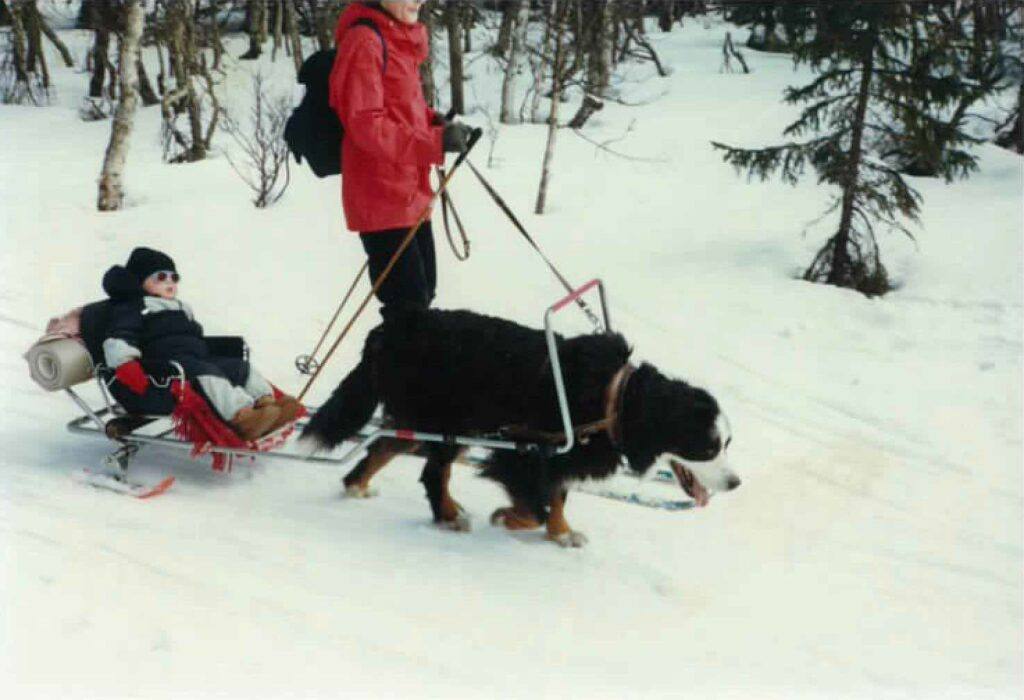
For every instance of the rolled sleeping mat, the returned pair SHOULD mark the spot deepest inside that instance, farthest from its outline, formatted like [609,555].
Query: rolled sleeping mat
[58,362]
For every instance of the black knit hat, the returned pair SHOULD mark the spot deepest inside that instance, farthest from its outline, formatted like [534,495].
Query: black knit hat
[143,262]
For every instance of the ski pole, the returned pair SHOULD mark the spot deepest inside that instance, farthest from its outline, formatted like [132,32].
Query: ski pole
[474,137]
[307,363]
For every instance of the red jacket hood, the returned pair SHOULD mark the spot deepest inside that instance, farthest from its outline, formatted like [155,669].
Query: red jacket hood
[407,38]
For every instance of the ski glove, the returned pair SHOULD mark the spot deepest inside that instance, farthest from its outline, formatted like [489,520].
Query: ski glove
[131,375]
[455,137]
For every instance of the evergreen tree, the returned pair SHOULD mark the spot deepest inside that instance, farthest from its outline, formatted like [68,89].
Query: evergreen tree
[774,26]
[850,53]
[931,74]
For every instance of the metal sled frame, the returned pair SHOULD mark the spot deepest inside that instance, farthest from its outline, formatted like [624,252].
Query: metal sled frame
[497,443]
[100,423]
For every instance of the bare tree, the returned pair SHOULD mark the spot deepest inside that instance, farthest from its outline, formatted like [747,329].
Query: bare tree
[257,27]
[559,15]
[48,32]
[321,19]
[509,12]
[111,184]
[729,52]
[454,24]
[519,24]
[20,82]
[264,152]
[291,28]
[194,87]
[538,63]
[427,82]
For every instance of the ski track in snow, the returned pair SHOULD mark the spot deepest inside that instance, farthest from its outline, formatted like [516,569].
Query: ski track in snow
[874,550]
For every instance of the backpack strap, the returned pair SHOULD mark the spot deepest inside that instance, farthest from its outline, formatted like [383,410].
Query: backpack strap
[367,22]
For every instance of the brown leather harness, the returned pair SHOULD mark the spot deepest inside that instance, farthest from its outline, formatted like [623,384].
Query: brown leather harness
[611,423]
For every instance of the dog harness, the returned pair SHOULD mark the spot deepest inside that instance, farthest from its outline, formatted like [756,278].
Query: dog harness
[614,397]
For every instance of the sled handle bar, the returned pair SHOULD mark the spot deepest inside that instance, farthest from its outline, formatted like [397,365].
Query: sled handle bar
[556,365]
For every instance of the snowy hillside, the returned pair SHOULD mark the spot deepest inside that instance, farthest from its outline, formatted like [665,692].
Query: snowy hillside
[874,549]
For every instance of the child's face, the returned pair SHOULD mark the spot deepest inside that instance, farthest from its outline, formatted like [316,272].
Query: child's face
[405,11]
[162,284]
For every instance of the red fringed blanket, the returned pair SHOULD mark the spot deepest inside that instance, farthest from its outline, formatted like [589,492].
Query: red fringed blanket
[195,422]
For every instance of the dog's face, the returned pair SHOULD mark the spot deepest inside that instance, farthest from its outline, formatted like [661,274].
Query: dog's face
[700,459]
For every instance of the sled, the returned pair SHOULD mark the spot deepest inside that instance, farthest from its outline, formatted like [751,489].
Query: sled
[66,362]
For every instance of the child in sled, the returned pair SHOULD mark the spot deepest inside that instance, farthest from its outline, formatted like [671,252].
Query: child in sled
[150,325]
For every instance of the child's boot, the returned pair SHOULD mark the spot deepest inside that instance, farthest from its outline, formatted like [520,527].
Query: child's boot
[252,422]
[289,407]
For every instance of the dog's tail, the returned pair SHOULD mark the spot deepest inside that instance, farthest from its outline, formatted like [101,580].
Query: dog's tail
[350,407]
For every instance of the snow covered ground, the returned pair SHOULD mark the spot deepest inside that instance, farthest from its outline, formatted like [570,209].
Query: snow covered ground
[874,550]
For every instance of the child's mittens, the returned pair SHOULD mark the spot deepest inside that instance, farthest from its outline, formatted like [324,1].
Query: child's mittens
[131,375]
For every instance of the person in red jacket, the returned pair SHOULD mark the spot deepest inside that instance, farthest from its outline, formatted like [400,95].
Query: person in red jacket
[392,139]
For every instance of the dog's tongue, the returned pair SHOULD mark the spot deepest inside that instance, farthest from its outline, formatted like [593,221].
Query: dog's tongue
[688,480]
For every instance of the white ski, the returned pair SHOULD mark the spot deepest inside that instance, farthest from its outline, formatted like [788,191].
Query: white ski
[128,488]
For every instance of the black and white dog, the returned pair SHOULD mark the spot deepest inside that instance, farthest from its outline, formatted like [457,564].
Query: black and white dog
[458,372]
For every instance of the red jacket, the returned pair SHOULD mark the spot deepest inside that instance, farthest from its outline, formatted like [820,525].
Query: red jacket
[389,142]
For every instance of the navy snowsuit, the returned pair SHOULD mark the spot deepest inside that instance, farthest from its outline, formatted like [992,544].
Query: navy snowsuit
[160,332]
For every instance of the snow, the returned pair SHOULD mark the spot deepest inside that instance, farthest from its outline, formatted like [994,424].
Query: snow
[874,549]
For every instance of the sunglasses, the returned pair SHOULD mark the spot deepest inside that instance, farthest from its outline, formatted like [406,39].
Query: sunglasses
[163,276]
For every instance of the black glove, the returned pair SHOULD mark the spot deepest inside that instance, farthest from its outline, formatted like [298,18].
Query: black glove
[455,137]
[443,119]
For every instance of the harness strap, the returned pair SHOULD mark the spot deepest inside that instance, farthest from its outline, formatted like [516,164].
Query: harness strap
[610,424]
[529,239]
[448,204]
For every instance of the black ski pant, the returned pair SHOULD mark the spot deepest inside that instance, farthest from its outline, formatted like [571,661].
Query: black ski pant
[413,280]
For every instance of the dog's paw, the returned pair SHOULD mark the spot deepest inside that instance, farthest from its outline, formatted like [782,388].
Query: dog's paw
[572,538]
[461,523]
[510,520]
[357,491]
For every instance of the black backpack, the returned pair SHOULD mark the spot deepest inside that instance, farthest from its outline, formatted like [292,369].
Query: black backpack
[313,131]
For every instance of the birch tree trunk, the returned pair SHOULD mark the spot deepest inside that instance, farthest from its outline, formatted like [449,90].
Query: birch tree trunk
[257,29]
[508,19]
[18,44]
[537,62]
[319,16]
[427,67]
[33,30]
[55,40]
[278,27]
[146,92]
[453,21]
[599,61]
[557,70]
[520,22]
[111,185]
[291,26]
[100,21]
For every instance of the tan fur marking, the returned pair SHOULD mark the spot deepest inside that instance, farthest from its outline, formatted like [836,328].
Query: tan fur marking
[515,517]
[557,524]
[381,453]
